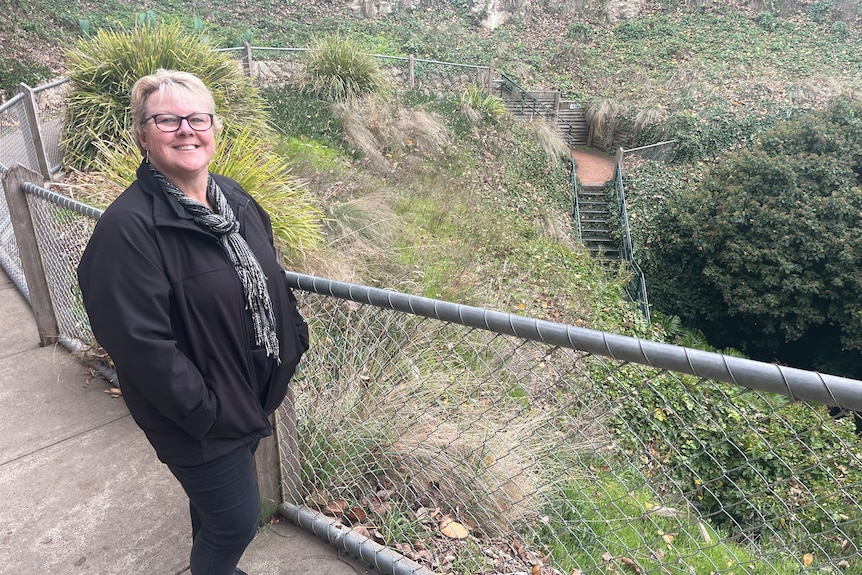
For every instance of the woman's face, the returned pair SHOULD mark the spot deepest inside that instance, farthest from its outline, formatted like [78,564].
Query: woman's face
[183,154]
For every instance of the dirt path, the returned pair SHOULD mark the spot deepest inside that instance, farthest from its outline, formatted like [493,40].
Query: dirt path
[594,166]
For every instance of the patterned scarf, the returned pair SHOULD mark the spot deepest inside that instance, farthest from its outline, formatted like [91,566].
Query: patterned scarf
[222,223]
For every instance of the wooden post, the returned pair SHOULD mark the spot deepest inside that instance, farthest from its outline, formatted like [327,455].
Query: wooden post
[246,58]
[35,134]
[491,79]
[271,471]
[268,471]
[411,75]
[28,250]
[290,448]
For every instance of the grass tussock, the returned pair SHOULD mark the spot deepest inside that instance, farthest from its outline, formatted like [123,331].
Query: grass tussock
[104,67]
[378,129]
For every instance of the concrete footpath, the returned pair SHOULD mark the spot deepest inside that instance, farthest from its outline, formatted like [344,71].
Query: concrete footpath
[81,490]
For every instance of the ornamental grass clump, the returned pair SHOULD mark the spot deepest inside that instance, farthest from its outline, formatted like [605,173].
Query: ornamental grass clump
[337,70]
[103,68]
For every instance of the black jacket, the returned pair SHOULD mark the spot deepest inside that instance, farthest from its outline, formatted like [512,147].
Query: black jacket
[166,304]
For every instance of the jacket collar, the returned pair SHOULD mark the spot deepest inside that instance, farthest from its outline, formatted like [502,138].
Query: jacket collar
[168,212]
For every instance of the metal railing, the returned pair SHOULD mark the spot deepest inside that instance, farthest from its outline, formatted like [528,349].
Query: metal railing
[637,289]
[469,440]
[30,127]
[525,103]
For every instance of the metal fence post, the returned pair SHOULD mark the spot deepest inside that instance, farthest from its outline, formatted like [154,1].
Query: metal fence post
[28,249]
[35,129]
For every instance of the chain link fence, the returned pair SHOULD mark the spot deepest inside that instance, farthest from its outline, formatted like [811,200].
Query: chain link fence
[16,143]
[51,104]
[634,157]
[278,66]
[472,450]
[63,227]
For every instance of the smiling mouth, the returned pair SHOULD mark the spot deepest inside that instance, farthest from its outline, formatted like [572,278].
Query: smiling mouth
[188,147]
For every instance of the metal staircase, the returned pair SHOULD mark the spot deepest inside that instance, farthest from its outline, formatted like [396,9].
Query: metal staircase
[595,222]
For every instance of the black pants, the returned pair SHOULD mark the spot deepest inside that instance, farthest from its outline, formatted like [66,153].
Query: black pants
[224,504]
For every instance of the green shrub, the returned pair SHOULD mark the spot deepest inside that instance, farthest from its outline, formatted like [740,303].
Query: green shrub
[840,29]
[104,67]
[477,104]
[820,10]
[337,70]
[767,21]
[760,467]
[15,72]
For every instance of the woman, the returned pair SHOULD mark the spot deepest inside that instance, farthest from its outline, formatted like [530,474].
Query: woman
[184,291]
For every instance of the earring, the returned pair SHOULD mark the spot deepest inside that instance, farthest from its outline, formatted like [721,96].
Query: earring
[148,156]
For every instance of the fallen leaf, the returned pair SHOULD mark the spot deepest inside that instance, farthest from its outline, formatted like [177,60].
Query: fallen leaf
[535,570]
[335,508]
[453,529]
[807,559]
[630,565]
[114,392]
[668,537]
[355,515]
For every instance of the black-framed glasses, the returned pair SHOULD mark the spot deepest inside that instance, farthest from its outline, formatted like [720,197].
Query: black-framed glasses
[199,121]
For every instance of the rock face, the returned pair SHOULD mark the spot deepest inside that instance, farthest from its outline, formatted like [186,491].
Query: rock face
[495,13]
[492,14]
[622,9]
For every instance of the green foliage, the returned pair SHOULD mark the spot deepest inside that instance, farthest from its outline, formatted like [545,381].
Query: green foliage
[708,132]
[338,69]
[248,159]
[606,522]
[15,72]
[104,67]
[840,29]
[820,11]
[767,21]
[579,31]
[765,248]
[743,478]
[478,105]
[297,114]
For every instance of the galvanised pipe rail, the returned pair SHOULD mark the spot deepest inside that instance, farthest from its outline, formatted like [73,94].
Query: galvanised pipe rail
[795,383]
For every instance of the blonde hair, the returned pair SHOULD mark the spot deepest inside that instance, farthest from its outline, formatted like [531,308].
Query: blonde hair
[170,83]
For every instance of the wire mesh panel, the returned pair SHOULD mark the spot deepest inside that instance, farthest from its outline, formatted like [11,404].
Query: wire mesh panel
[51,104]
[653,153]
[447,78]
[276,66]
[63,228]
[470,451]
[16,145]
